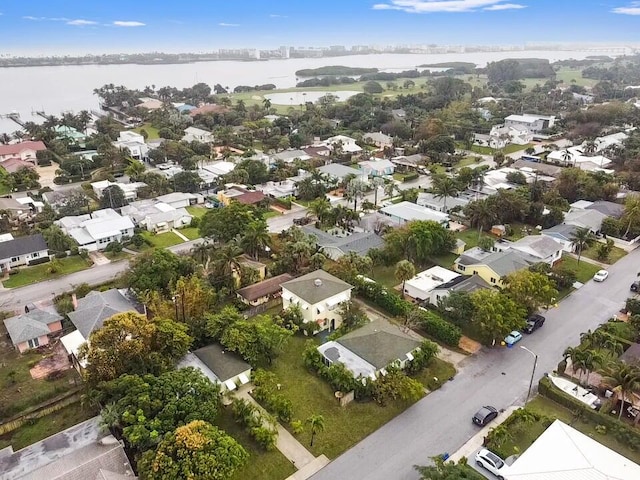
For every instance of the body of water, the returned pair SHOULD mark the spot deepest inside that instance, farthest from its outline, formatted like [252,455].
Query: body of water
[55,90]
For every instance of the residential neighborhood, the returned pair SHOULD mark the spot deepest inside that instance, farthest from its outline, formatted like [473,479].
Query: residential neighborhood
[441,264]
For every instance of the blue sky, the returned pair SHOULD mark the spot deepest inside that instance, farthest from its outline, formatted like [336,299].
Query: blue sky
[93,26]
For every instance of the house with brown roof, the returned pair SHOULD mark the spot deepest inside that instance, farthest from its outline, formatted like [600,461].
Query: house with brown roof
[24,151]
[14,164]
[241,194]
[264,291]
[208,108]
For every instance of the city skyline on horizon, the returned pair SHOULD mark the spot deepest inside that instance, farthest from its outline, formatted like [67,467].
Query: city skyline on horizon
[75,27]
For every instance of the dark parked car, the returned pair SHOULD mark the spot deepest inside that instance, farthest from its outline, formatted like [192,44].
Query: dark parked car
[635,287]
[533,323]
[485,415]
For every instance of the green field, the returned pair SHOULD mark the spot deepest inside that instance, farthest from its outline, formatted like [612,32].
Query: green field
[162,240]
[344,426]
[38,273]
[151,130]
[584,271]
[44,427]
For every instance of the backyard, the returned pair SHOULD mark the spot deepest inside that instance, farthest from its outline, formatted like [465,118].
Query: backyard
[261,464]
[196,211]
[36,430]
[162,240]
[18,390]
[151,131]
[38,273]
[310,395]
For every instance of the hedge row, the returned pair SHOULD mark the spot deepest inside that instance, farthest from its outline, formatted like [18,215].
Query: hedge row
[282,202]
[621,431]
[440,329]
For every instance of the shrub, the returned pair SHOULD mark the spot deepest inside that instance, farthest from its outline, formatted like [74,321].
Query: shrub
[382,297]
[39,261]
[114,247]
[440,329]
[138,240]
[410,176]
[259,425]
[633,306]
[266,392]
[61,255]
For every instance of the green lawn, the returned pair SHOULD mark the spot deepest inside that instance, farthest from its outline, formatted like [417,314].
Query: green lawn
[191,233]
[261,464]
[196,211]
[385,275]
[544,406]
[115,256]
[152,131]
[437,369]
[18,390]
[584,271]
[37,273]
[44,427]
[615,255]
[344,426]
[566,75]
[162,240]
[520,230]
[271,214]
[445,260]
[467,161]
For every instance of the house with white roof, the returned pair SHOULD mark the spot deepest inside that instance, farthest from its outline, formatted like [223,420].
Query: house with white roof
[434,202]
[134,143]
[420,286]
[377,167]
[562,452]
[96,230]
[378,139]
[157,216]
[130,190]
[193,134]
[288,156]
[181,199]
[531,122]
[220,168]
[575,157]
[404,212]
[338,172]
[344,143]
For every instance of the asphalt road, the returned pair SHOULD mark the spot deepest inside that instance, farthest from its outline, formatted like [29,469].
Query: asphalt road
[11,299]
[441,422]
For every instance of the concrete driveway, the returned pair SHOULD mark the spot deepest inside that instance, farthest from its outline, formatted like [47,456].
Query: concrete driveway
[441,422]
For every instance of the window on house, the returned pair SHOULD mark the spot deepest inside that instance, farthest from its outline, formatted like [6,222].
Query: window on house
[475,272]
[35,255]
[493,280]
[15,259]
[33,343]
[461,268]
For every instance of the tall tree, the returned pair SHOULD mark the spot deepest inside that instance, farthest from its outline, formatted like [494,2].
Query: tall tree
[258,340]
[255,238]
[624,379]
[631,213]
[131,343]
[112,197]
[404,271]
[444,187]
[496,314]
[320,209]
[580,239]
[158,270]
[531,290]
[224,224]
[354,191]
[316,424]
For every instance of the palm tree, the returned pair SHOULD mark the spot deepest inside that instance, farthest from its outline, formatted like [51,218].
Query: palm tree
[354,191]
[390,188]
[444,187]
[404,271]
[316,422]
[320,209]
[580,239]
[590,147]
[631,212]
[623,379]
[570,353]
[266,103]
[135,169]
[227,261]
[256,238]
[202,254]
[480,213]
[567,156]
[376,183]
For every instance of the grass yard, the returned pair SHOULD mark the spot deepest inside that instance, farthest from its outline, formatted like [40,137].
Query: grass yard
[115,256]
[520,230]
[445,260]
[191,233]
[544,406]
[38,273]
[574,76]
[467,161]
[437,369]
[44,427]
[261,464]
[584,271]
[18,390]
[162,240]
[344,426]
[615,255]
[385,275]
[271,214]
[470,237]
[151,130]
[196,211]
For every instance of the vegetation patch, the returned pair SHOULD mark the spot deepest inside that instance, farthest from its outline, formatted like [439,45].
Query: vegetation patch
[162,240]
[39,273]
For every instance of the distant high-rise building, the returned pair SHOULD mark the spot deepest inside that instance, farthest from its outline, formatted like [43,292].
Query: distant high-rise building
[284,50]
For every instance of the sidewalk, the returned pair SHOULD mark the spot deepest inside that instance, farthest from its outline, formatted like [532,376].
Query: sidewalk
[475,442]
[292,449]
[177,232]
[589,260]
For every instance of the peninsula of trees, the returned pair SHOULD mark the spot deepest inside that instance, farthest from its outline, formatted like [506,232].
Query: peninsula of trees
[334,70]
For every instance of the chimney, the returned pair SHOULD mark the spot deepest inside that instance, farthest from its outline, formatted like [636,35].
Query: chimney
[74,301]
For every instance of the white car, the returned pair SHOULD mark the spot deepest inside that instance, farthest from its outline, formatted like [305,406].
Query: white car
[492,462]
[600,276]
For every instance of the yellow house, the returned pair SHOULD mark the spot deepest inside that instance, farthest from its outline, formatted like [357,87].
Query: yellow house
[492,267]
[250,264]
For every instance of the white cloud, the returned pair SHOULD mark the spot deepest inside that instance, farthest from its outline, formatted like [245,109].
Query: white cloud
[81,23]
[436,6]
[505,6]
[223,24]
[632,9]
[127,23]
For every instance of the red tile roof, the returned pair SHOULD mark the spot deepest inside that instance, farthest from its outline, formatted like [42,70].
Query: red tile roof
[250,198]
[14,164]
[18,148]
[208,108]
[266,287]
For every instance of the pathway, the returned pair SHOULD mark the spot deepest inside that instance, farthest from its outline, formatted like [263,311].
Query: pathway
[177,232]
[589,260]
[292,449]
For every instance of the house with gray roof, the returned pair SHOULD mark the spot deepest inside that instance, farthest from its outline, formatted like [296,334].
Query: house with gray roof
[98,229]
[367,351]
[562,234]
[462,284]
[264,291]
[23,251]
[338,172]
[319,295]
[436,203]
[220,366]
[610,209]
[157,216]
[33,328]
[591,219]
[91,311]
[82,452]
[492,267]
[340,242]
[404,212]
[543,247]
[288,156]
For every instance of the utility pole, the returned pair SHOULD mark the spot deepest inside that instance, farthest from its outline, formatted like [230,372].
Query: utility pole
[533,372]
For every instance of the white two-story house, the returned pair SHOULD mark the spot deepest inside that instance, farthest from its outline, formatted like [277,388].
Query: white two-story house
[98,229]
[319,295]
